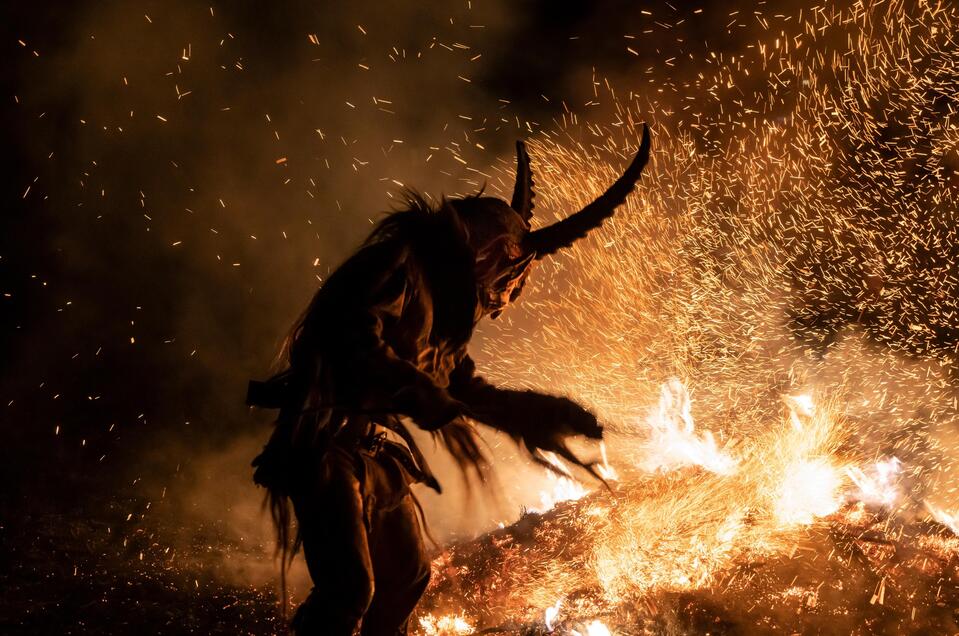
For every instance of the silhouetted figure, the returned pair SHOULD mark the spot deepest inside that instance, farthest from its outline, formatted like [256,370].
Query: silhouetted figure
[385,339]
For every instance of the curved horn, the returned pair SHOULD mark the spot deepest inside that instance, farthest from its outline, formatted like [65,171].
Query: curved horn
[548,240]
[523,190]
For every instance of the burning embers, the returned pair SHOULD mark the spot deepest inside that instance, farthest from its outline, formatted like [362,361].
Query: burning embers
[688,512]
[449,625]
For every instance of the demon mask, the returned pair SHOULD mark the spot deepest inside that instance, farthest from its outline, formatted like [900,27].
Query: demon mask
[504,242]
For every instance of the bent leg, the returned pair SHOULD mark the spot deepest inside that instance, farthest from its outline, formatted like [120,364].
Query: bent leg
[402,570]
[335,545]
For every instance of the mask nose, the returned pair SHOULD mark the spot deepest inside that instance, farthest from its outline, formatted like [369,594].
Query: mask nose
[509,286]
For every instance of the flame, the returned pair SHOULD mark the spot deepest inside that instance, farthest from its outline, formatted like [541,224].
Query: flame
[605,470]
[564,486]
[880,485]
[447,625]
[551,613]
[595,628]
[673,441]
[800,405]
[810,484]
[564,489]
[810,489]
[780,480]
[947,519]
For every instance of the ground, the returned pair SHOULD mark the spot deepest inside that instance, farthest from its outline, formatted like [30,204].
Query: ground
[857,572]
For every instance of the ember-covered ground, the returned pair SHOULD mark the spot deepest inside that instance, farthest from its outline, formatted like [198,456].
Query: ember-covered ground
[856,572]
[69,574]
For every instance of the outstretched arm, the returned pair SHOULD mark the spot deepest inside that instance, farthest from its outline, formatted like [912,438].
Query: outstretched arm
[541,422]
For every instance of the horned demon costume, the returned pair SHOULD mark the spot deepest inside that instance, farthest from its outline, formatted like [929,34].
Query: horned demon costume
[383,342]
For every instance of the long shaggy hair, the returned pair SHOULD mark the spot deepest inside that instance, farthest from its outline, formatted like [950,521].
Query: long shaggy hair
[438,240]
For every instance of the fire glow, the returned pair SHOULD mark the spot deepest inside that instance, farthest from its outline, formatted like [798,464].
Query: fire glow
[787,425]
[673,441]
[771,489]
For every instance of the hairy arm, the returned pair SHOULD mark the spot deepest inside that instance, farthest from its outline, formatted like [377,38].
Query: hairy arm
[541,422]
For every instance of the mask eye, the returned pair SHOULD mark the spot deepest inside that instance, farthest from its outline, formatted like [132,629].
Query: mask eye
[510,279]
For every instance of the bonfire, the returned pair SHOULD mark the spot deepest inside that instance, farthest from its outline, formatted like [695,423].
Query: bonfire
[767,329]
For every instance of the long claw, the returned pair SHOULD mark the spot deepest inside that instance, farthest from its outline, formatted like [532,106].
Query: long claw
[563,451]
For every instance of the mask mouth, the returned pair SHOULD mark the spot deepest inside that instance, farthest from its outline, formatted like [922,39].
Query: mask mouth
[507,286]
